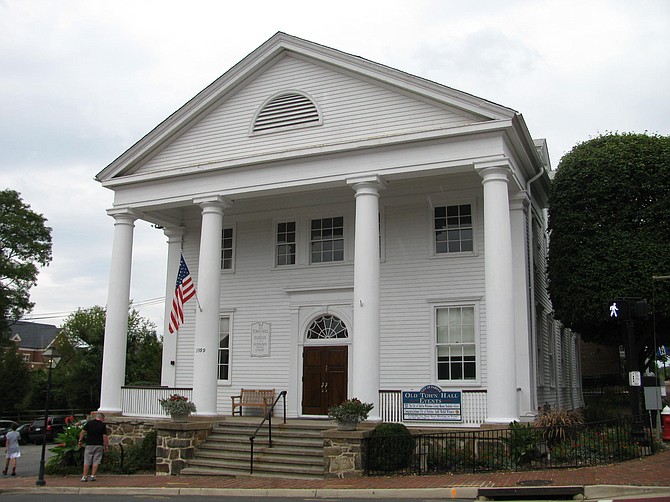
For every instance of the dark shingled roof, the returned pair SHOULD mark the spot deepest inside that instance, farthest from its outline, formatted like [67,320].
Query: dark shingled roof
[34,335]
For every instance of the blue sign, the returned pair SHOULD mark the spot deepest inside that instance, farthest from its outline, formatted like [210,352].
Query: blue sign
[433,404]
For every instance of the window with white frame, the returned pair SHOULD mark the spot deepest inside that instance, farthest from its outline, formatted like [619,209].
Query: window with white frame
[227,248]
[456,346]
[224,349]
[453,228]
[327,240]
[286,243]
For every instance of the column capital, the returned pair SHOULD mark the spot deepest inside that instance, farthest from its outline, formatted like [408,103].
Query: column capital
[173,234]
[213,200]
[123,215]
[371,183]
[519,200]
[495,170]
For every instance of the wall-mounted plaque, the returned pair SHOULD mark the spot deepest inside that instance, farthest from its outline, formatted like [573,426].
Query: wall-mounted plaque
[260,339]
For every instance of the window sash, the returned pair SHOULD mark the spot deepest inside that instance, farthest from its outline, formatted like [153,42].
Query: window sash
[327,240]
[223,369]
[453,227]
[456,348]
[285,253]
[227,248]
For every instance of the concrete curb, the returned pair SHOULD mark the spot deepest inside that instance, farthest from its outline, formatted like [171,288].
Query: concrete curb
[618,491]
[469,492]
[591,492]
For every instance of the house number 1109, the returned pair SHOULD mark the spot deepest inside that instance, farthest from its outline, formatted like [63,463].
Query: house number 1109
[200,350]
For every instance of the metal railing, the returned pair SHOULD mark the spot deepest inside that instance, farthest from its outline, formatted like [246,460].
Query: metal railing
[521,447]
[268,417]
[144,401]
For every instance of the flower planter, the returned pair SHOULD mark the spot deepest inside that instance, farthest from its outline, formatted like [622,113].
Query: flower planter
[346,426]
[179,417]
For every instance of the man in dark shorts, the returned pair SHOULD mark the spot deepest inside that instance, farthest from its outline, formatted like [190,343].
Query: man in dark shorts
[95,432]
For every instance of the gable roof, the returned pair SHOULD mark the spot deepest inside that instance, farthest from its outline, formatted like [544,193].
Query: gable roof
[32,335]
[267,54]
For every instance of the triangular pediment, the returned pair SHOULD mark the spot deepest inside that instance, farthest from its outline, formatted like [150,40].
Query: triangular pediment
[348,101]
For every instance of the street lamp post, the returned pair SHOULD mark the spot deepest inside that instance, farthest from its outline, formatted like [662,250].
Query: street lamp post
[54,359]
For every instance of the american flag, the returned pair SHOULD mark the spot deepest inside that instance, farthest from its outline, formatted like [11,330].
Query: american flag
[184,290]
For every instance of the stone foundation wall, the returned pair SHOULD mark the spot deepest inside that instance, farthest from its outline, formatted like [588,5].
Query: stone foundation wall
[344,453]
[128,431]
[176,444]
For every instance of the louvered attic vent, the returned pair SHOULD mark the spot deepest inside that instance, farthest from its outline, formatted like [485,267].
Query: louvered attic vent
[286,110]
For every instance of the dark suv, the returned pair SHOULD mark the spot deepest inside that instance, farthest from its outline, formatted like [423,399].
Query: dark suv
[55,426]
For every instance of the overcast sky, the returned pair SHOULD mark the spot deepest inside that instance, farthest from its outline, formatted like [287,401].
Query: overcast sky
[82,81]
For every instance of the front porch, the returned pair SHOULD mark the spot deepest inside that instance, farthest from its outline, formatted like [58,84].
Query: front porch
[143,402]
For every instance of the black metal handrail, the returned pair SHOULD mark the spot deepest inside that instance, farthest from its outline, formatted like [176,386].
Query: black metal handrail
[268,417]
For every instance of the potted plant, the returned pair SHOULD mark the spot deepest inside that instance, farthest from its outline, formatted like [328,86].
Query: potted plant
[349,413]
[178,407]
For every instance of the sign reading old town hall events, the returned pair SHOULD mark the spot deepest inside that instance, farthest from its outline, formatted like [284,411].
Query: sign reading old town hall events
[260,339]
[431,403]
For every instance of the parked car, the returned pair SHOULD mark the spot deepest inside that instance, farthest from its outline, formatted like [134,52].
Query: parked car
[24,430]
[55,426]
[5,427]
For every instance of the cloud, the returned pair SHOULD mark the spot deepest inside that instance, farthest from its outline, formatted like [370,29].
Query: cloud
[82,81]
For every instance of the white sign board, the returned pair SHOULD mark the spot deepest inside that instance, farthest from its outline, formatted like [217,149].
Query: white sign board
[634,379]
[260,339]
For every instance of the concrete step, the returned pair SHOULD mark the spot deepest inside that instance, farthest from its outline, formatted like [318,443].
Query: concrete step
[270,455]
[297,450]
[242,468]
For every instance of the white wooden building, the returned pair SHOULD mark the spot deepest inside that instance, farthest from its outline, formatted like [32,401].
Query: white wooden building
[352,231]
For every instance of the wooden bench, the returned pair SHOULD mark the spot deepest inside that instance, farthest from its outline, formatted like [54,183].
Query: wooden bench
[254,398]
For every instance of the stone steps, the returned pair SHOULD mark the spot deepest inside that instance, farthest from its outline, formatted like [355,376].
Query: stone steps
[296,452]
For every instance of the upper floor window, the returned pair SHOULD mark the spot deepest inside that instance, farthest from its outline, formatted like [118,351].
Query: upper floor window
[453,229]
[456,344]
[227,249]
[286,243]
[327,240]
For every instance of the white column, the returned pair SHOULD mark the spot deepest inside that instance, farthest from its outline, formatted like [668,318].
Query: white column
[168,368]
[365,373]
[208,287]
[522,269]
[501,361]
[116,324]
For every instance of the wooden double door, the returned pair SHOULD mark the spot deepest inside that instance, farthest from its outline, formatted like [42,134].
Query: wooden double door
[324,378]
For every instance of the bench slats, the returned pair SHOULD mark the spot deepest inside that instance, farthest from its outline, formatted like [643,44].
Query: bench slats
[254,398]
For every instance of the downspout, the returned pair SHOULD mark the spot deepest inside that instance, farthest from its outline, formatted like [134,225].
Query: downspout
[531,282]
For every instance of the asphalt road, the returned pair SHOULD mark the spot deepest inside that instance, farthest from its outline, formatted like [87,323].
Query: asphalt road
[29,463]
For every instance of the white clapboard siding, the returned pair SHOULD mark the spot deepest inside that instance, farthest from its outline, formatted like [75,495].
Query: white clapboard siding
[352,109]
[411,281]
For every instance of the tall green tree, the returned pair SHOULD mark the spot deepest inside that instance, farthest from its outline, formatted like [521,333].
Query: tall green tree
[15,382]
[77,378]
[610,233]
[25,243]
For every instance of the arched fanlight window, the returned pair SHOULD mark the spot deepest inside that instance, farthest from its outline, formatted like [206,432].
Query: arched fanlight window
[327,327]
[286,110]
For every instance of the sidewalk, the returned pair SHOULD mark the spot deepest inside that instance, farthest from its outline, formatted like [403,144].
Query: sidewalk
[647,476]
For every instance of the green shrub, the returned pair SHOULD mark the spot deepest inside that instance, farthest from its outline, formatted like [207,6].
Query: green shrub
[522,443]
[391,448]
[118,459]
[142,455]
[67,452]
[558,424]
